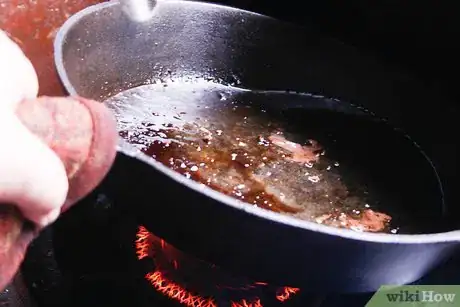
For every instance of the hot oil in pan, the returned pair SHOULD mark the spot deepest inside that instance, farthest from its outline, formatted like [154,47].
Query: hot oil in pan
[312,158]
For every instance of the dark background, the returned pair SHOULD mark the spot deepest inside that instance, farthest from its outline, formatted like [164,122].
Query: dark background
[420,38]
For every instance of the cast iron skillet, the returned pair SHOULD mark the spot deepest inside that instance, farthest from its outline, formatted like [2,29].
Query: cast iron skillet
[99,53]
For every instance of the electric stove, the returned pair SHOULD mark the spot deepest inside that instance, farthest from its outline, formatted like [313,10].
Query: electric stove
[99,254]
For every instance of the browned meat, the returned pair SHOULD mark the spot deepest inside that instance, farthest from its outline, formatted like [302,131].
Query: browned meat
[299,153]
[305,189]
[369,221]
[235,154]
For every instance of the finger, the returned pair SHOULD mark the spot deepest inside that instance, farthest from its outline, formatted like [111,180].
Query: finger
[101,155]
[32,176]
[81,132]
[18,79]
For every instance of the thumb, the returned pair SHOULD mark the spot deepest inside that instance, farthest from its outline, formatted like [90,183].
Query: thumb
[32,176]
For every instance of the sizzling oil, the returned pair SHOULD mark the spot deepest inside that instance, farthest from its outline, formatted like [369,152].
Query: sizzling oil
[229,139]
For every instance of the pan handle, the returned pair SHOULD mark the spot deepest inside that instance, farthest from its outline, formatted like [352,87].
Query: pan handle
[84,138]
[15,234]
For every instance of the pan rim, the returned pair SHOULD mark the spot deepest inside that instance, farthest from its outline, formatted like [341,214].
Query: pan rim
[124,148]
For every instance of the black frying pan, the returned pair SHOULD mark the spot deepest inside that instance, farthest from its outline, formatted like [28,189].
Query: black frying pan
[99,52]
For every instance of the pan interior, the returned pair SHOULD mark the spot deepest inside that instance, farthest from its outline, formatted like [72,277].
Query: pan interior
[99,52]
[380,166]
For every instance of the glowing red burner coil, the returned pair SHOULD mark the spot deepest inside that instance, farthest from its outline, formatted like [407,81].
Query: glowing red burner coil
[285,293]
[176,292]
[145,242]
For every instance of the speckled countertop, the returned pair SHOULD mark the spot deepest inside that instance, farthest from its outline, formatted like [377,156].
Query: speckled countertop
[33,25]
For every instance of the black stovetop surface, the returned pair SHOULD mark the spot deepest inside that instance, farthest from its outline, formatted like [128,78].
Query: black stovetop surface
[89,259]
[124,286]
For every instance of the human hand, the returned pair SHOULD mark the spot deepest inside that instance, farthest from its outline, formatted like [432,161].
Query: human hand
[53,152]
[31,175]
